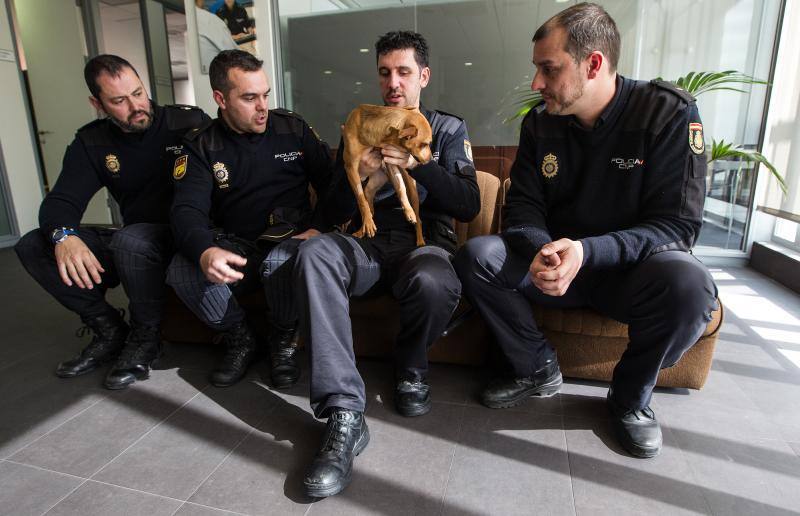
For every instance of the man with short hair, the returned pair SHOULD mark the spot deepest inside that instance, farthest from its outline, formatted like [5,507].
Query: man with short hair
[606,201]
[333,267]
[130,152]
[242,207]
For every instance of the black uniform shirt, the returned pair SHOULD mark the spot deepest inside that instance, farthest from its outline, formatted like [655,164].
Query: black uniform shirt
[632,186]
[236,181]
[135,167]
[236,19]
[447,184]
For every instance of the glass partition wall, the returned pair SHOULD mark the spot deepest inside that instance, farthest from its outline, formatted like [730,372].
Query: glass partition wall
[481,64]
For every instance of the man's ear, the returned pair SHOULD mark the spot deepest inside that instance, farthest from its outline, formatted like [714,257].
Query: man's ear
[408,132]
[96,104]
[596,60]
[424,76]
[219,98]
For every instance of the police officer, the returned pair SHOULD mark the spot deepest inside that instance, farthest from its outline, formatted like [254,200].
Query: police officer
[130,152]
[333,267]
[242,206]
[606,201]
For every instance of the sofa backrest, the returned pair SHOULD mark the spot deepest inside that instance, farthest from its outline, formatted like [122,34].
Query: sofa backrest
[485,222]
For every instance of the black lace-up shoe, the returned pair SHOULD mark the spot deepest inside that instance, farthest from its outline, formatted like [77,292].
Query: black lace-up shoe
[284,369]
[240,352]
[509,392]
[638,431]
[345,437]
[109,332]
[142,348]
[412,398]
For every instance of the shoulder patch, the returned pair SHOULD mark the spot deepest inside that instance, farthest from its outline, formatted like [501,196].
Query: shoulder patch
[672,88]
[179,170]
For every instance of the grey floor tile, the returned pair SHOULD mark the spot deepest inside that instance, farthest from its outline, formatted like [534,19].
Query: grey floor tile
[264,474]
[404,469]
[584,399]
[510,462]
[606,480]
[87,442]
[42,409]
[27,490]
[94,498]
[175,458]
[795,447]
[192,509]
[743,476]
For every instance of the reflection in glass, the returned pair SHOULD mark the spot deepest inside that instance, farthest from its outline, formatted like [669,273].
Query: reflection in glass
[224,25]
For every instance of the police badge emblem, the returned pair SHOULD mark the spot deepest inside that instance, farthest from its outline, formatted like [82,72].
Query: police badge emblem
[112,164]
[180,167]
[549,166]
[221,174]
[696,142]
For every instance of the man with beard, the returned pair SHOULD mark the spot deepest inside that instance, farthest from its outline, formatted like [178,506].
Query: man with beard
[335,266]
[131,152]
[242,207]
[606,201]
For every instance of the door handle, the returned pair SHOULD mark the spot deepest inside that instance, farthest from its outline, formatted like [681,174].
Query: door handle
[42,133]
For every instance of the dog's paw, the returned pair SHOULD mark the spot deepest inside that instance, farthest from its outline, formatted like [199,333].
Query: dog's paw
[410,216]
[359,233]
[420,242]
[370,228]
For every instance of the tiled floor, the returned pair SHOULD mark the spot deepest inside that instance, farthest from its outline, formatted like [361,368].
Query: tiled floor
[175,445]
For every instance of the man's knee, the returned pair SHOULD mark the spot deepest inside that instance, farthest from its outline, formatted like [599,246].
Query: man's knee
[139,239]
[324,250]
[181,272]
[478,257]
[31,246]
[278,256]
[682,287]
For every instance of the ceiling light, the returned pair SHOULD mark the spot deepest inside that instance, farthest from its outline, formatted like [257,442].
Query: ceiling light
[327,72]
[363,50]
[358,83]
[467,64]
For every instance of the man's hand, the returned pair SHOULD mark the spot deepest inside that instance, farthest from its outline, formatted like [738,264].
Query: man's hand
[556,265]
[394,155]
[371,161]
[309,233]
[76,263]
[217,264]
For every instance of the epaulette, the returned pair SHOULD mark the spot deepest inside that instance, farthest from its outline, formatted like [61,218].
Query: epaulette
[91,125]
[193,133]
[449,114]
[672,88]
[185,107]
[286,112]
[95,132]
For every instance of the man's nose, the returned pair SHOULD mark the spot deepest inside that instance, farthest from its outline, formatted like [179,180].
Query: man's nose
[537,83]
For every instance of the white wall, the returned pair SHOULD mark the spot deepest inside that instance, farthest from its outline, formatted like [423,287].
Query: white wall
[16,137]
[123,36]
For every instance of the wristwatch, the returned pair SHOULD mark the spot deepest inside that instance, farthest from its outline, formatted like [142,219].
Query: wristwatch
[61,234]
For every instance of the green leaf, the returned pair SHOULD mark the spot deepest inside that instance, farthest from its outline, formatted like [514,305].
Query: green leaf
[722,150]
[698,83]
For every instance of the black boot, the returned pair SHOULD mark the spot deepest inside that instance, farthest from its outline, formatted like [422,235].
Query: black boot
[345,437]
[240,352]
[638,431]
[142,348]
[508,392]
[412,397]
[284,369]
[109,337]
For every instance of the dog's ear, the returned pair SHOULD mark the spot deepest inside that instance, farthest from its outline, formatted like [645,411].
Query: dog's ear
[408,132]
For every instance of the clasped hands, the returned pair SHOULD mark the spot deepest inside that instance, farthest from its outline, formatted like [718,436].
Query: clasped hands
[556,265]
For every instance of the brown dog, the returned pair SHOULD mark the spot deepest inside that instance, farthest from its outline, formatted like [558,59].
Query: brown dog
[370,126]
